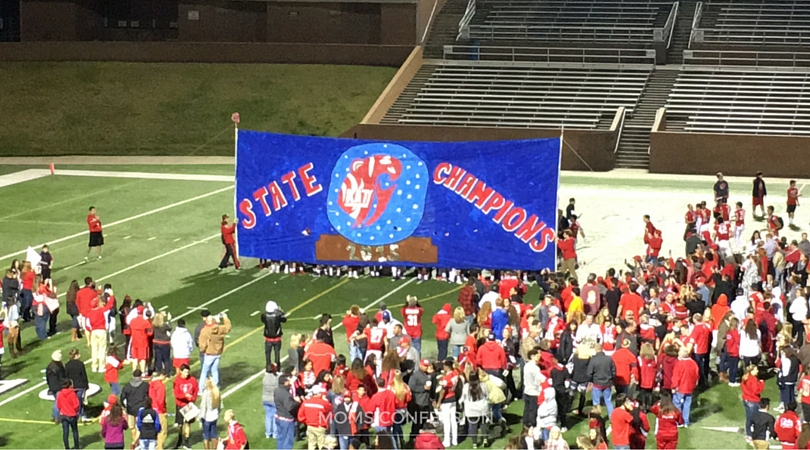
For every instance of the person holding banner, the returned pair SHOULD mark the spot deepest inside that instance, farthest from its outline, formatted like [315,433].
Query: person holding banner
[229,242]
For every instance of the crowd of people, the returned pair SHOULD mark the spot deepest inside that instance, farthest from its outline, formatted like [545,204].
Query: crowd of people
[614,349]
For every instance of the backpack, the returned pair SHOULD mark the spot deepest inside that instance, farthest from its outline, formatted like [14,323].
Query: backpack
[781,223]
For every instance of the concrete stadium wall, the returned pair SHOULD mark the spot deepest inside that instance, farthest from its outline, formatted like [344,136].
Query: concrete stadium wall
[732,154]
[207,52]
[594,146]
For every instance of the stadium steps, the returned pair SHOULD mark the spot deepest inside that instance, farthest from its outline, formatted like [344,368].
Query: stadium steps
[407,96]
[635,139]
[683,30]
[445,28]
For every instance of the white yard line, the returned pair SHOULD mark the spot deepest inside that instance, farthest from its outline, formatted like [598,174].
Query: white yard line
[146,175]
[22,176]
[261,372]
[122,221]
[216,299]
[255,313]
[152,238]
[16,396]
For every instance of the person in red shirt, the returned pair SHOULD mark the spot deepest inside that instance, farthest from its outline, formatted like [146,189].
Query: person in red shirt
[441,319]
[237,440]
[141,329]
[774,222]
[626,367]
[186,390]
[654,245]
[792,200]
[316,412]
[412,322]
[648,372]
[721,236]
[491,357]
[321,354]
[83,298]
[621,422]
[383,406]
[96,236]
[690,218]
[229,242]
[631,301]
[685,379]
[67,403]
[701,336]
[568,248]
[788,426]
[668,420]
[739,226]
[377,337]
[157,393]
[732,348]
[97,326]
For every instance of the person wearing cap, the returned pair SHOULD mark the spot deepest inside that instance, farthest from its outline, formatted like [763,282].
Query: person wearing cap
[420,384]
[390,323]
[491,357]
[227,231]
[182,345]
[348,419]
[316,413]
[55,375]
[272,320]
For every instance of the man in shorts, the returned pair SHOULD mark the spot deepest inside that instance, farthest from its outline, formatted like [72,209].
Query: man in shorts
[96,237]
[185,392]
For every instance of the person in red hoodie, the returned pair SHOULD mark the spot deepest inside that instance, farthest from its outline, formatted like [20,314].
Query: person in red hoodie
[630,301]
[157,393]
[621,422]
[427,439]
[752,388]
[440,319]
[654,245]
[111,367]
[668,418]
[229,242]
[237,440]
[639,427]
[316,412]
[788,427]
[648,372]
[68,405]
[684,381]
[491,357]
[626,367]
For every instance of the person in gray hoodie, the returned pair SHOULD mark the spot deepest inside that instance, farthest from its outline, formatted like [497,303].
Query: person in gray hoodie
[269,385]
[286,413]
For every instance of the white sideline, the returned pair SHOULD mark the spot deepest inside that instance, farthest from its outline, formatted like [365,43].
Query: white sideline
[22,176]
[128,219]
[147,175]
[20,394]
[261,372]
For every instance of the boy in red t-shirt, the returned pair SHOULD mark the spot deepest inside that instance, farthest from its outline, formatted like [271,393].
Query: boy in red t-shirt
[792,200]
[96,236]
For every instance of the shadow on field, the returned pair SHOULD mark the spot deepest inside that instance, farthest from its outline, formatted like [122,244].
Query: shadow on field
[234,374]
[4,439]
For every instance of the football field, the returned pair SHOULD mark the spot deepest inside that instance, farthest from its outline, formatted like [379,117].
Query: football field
[161,227]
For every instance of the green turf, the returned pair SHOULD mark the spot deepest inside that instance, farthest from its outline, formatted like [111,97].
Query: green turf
[176,269]
[174,109]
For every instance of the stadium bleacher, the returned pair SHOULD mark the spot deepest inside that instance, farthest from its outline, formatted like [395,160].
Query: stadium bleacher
[754,22]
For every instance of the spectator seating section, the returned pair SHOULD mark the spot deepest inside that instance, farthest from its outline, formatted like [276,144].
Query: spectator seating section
[740,100]
[569,20]
[475,94]
[759,22]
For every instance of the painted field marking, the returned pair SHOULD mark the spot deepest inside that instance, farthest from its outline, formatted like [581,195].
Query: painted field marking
[163,308]
[23,175]
[176,239]
[128,219]
[146,175]
[152,238]
[261,372]
[254,313]
[127,237]
[220,297]
[29,390]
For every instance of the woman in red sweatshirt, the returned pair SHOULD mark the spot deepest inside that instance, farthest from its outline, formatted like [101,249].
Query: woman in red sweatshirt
[666,425]
[732,348]
[648,369]
[752,388]
[68,405]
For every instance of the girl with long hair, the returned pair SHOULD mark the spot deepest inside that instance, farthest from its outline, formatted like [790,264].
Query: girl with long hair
[669,418]
[402,396]
[73,311]
[648,370]
[295,353]
[390,365]
[39,308]
[210,405]
[27,276]
[113,427]
[474,397]
[750,350]
[484,317]
[458,328]
[555,440]
[752,388]
[161,343]
[787,377]
[12,320]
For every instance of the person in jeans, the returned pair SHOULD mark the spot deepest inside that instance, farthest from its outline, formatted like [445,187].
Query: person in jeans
[272,320]
[601,372]
[212,343]
[148,424]
[458,328]
[77,373]
[685,379]
[210,405]
[113,427]
[68,405]
[269,385]
[286,412]
[531,388]
[161,342]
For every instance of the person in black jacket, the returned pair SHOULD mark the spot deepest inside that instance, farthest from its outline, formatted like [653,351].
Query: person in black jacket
[348,419]
[579,378]
[272,320]
[613,296]
[135,396]
[55,375]
[601,372]
[762,425]
[566,348]
[76,372]
[420,407]
[759,192]
[286,413]
[148,424]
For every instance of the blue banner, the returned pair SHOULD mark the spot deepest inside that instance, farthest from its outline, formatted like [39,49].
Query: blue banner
[464,205]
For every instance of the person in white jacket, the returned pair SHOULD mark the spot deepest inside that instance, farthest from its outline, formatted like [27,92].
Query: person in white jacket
[546,408]
[182,345]
[475,398]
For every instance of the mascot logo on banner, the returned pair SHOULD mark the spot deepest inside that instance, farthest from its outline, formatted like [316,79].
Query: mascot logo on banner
[377,194]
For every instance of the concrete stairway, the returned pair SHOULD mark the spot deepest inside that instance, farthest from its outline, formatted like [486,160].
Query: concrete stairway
[683,30]
[635,140]
[444,29]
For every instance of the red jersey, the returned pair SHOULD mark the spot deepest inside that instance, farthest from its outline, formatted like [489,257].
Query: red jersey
[739,217]
[667,423]
[631,301]
[705,215]
[84,296]
[157,392]
[185,390]
[773,224]
[350,323]
[733,347]
[141,330]
[376,338]
[608,337]
[701,334]
[236,436]
[384,404]
[93,223]
[620,421]
[413,321]
[792,196]
[227,233]
[440,319]
[111,369]
[788,426]
[721,230]
[448,384]
[690,217]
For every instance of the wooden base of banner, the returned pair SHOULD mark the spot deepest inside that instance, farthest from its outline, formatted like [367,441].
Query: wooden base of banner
[411,250]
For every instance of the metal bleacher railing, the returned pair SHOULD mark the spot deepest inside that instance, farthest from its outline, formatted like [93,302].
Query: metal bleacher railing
[755,60]
[696,22]
[550,55]
[665,33]
[464,23]
[742,24]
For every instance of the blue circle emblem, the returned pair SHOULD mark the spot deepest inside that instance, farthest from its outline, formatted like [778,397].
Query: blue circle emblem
[377,193]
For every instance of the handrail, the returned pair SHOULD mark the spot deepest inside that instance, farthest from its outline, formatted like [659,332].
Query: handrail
[464,23]
[758,60]
[695,22]
[665,32]
[429,22]
[623,112]
[551,54]
[674,16]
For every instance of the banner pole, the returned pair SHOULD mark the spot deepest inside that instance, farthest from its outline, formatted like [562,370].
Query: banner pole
[235,118]
[557,204]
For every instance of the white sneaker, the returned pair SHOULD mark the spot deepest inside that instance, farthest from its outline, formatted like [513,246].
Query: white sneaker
[99,256]
[86,258]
